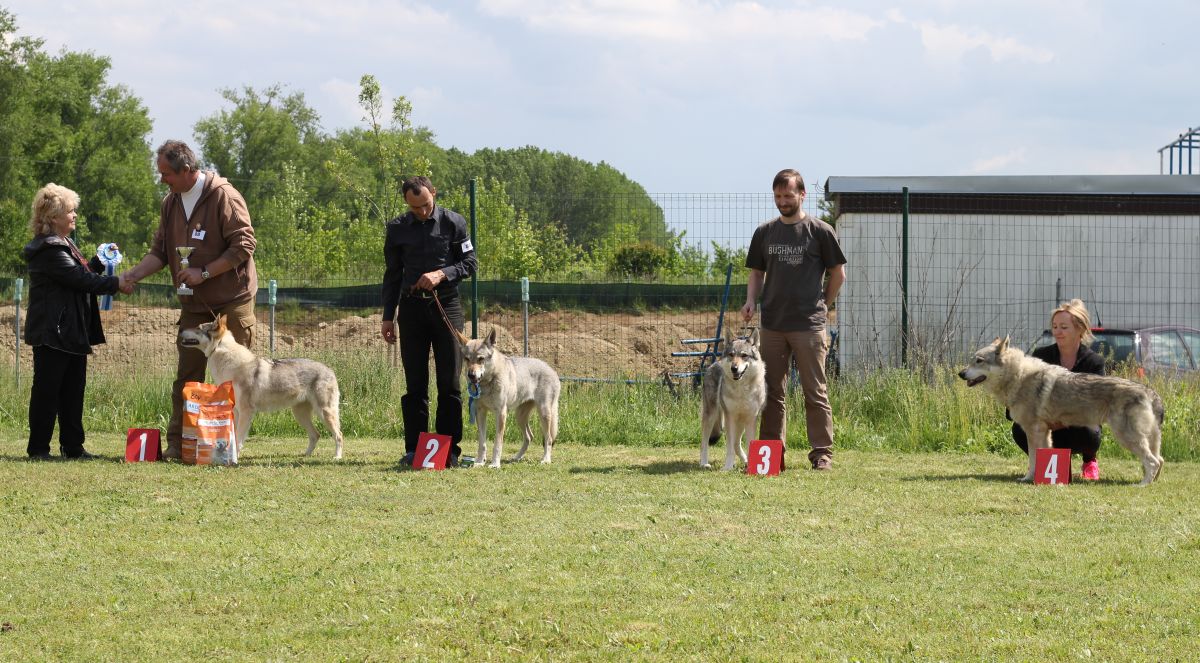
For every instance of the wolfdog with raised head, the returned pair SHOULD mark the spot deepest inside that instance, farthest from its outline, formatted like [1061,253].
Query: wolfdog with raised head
[735,390]
[504,383]
[264,385]
[1039,395]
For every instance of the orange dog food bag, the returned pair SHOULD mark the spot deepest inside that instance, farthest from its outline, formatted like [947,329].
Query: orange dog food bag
[208,427]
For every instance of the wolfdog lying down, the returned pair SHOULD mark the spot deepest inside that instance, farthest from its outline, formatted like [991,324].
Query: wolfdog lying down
[735,390]
[1038,394]
[264,385]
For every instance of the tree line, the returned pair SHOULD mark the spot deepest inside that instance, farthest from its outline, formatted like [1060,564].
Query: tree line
[318,199]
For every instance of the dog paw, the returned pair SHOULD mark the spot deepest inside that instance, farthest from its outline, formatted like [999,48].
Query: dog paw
[728,468]
[1028,478]
[495,465]
[705,466]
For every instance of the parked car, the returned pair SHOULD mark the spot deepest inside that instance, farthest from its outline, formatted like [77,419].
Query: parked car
[1150,348]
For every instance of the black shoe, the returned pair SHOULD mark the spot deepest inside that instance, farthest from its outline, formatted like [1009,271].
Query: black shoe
[453,462]
[407,459]
[82,455]
[42,456]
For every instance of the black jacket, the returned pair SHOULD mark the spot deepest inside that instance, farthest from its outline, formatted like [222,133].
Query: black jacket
[413,247]
[63,312]
[1086,359]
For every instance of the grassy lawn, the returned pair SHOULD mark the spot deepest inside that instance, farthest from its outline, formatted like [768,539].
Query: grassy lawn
[612,553]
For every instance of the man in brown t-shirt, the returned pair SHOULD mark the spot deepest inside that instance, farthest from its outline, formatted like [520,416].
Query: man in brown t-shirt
[789,258]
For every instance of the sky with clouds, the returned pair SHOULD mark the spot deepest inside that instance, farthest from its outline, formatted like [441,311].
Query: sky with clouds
[688,96]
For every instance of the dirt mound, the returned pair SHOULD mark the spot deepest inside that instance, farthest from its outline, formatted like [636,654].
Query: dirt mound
[577,344]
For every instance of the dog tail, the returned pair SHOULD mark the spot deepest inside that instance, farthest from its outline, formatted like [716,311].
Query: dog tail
[1160,411]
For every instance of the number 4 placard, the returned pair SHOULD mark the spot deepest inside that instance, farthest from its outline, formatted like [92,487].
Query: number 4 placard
[764,456]
[432,450]
[1052,466]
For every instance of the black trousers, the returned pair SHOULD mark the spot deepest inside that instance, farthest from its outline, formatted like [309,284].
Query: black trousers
[1080,440]
[59,379]
[421,328]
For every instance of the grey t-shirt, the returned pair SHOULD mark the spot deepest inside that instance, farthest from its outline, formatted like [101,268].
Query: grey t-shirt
[795,258]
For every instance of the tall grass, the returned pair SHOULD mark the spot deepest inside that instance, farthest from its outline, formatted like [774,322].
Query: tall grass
[893,410]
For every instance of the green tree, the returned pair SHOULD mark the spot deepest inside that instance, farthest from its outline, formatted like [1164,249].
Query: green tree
[60,121]
[264,131]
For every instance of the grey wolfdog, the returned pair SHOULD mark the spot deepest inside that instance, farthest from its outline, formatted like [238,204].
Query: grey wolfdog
[506,383]
[1039,395]
[735,390]
[264,385]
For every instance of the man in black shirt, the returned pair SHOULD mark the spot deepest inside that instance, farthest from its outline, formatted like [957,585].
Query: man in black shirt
[427,251]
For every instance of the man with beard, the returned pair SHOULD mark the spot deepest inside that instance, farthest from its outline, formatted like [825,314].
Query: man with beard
[797,265]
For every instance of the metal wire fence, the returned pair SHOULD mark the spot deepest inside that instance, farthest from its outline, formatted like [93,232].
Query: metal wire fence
[930,278]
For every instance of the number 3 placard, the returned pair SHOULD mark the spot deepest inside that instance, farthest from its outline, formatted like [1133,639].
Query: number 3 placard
[1052,466]
[432,451]
[764,456]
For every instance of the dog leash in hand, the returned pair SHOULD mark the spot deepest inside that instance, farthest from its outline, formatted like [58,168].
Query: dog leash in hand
[473,389]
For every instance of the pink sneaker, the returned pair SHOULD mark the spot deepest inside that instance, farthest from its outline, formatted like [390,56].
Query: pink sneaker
[1091,471]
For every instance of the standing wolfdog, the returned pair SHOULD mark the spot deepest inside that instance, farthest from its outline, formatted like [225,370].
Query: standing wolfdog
[263,385]
[735,390]
[504,383]
[1038,395]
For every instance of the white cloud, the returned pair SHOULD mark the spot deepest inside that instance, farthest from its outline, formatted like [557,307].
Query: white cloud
[1000,163]
[694,21]
[951,42]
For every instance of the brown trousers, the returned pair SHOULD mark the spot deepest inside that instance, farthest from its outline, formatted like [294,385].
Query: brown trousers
[193,364]
[809,349]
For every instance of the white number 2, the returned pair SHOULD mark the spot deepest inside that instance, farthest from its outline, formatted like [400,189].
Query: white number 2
[1052,469]
[433,445]
[764,466]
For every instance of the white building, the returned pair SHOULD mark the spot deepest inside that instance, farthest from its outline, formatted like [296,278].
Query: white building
[990,256]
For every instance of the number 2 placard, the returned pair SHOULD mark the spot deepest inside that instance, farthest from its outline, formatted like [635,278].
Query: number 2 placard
[763,457]
[432,451]
[1052,466]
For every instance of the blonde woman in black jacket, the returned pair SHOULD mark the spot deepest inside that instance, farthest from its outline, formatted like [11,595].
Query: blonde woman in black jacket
[63,322]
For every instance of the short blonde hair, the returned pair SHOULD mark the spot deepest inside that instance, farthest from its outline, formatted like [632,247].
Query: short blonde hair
[1079,316]
[51,202]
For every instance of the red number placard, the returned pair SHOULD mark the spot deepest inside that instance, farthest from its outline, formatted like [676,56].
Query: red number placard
[432,451]
[764,456]
[1052,466]
[143,445]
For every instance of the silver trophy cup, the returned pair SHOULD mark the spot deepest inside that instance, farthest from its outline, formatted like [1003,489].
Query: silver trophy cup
[184,252]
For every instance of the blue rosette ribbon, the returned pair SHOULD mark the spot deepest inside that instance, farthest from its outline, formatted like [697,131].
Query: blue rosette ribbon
[110,257]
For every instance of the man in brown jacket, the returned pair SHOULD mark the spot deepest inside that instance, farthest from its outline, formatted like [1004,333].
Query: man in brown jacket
[205,212]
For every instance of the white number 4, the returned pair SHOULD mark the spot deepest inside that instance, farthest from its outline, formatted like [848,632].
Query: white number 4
[1051,472]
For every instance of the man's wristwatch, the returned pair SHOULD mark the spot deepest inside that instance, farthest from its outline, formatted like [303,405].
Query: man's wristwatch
[204,273]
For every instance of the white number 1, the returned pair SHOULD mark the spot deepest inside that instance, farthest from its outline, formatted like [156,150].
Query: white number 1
[765,465]
[142,449]
[433,445]
[1052,469]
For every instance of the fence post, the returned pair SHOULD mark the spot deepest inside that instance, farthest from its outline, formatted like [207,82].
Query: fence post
[525,309]
[904,282]
[17,296]
[475,276]
[272,287]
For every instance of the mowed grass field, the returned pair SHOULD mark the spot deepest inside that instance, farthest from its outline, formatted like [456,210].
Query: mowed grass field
[612,553]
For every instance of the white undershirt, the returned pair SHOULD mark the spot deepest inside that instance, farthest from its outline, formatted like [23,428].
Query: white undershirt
[191,196]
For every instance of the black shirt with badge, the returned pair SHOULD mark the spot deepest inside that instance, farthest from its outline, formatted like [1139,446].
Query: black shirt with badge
[413,247]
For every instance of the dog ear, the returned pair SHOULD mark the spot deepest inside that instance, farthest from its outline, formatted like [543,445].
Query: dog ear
[221,318]
[754,337]
[1002,345]
[491,337]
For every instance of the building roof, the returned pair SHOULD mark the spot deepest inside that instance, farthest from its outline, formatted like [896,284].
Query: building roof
[1104,185]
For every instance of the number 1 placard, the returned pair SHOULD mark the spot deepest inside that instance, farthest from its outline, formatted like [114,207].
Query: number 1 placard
[432,451]
[764,456]
[1052,466]
[142,445]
